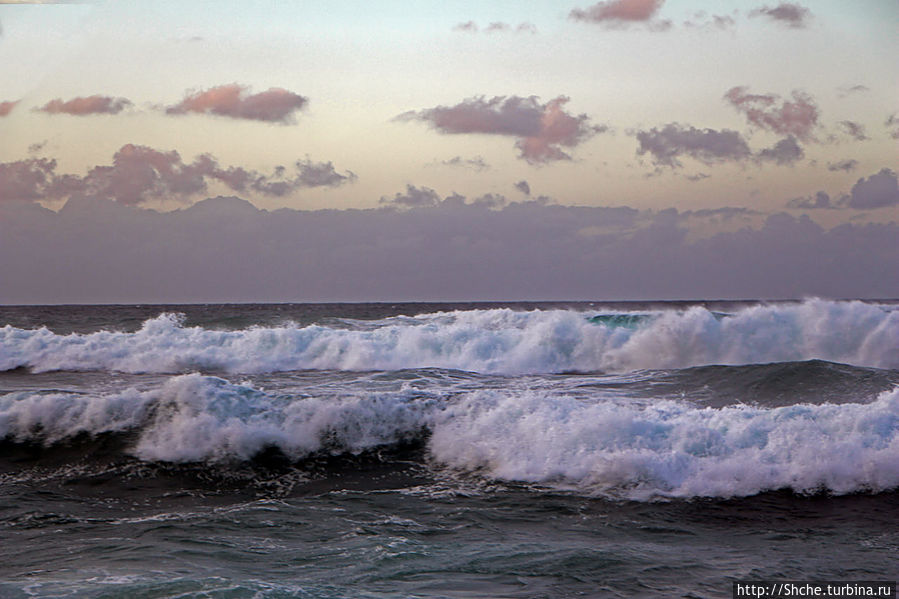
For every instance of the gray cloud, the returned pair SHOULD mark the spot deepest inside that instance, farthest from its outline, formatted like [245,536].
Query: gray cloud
[784,152]
[854,130]
[701,20]
[523,187]
[880,190]
[477,163]
[792,15]
[818,201]
[140,173]
[542,129]
[224,249]
[848,165]
[414,197]
[893,122]
[275,105]
[847,90]
[668,144]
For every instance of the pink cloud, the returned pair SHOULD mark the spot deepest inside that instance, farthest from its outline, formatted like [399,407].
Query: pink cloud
[26,179]
[86,105]
[768,111]
[618,11]
[792,15]
[541,128]
[139,173]
[234,101]
[6,107]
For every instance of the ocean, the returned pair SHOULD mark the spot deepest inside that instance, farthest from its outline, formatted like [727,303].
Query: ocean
[502,450]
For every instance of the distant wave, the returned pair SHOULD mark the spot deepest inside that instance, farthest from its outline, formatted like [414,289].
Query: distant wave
[610,447]
[489,341]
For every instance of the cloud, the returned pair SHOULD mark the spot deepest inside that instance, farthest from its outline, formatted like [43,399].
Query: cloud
[541,129]
[794,16]
[223,249]
[496,27]
[784,152]
[893,122]
[854,130]
[880,190]
[848,165]
[492,201]
[820,200]
[26,179]
[139,173]
[413,197]
[668,144]
[6,107]
[701,20]
[86,105]
[523,187]
[621,13]
[847,90]
[477,163]
[275,105]
[769,112]
[468,26]
[37,147]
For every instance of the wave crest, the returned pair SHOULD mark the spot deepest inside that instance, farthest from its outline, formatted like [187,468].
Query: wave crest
[489,341]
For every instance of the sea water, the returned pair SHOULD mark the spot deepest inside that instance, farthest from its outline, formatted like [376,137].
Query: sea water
[446,450]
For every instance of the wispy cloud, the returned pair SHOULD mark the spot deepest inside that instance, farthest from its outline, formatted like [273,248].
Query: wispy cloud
[496,27]
[848,165]
[477,163]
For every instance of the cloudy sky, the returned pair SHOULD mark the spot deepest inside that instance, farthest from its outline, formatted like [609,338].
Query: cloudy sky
[526,149]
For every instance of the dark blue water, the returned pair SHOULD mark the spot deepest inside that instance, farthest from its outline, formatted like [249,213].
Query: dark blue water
[459,450]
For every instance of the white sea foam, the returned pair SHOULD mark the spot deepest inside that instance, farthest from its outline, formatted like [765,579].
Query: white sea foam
[672,449]
[608,446]
[489,341]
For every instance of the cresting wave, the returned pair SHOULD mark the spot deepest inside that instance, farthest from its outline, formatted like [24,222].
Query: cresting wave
[488,341]
[611,447]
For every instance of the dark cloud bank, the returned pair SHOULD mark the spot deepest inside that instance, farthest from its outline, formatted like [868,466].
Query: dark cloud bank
[224,249]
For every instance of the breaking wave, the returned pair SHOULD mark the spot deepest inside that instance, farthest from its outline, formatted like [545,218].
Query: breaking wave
[610,447]
[489,341]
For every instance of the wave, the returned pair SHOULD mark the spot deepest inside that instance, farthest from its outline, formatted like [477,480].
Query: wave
[610,447]
[489,341]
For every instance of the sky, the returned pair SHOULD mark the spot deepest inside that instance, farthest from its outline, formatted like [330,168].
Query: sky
[457,150]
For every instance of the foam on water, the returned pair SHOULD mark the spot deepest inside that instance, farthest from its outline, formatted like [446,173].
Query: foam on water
[489,341]
[610,446]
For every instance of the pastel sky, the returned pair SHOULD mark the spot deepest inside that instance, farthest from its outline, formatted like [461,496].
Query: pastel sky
[729,114]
